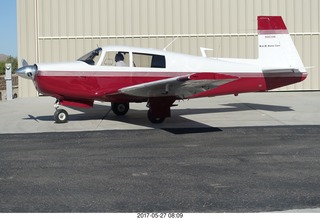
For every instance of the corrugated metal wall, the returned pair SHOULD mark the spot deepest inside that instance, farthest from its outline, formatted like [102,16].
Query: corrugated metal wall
[63,30]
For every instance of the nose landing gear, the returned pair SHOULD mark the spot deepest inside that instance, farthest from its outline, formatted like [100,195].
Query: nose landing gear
[60,115]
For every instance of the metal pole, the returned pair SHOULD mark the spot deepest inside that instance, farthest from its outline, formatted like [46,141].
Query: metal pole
[8,79]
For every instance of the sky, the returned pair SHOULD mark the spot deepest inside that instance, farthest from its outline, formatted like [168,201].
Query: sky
[8,32]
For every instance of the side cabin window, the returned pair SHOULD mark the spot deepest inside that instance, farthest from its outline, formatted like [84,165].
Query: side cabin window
[143,60]
[116,58]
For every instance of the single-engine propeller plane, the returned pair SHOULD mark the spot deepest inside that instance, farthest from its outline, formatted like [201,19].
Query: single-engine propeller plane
[121,74]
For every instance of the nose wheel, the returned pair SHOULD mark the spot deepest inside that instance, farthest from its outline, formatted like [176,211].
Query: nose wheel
[61,116]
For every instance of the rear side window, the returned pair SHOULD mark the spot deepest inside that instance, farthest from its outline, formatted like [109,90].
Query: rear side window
[143,60]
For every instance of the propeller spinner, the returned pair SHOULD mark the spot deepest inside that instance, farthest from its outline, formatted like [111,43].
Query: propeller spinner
[27,71]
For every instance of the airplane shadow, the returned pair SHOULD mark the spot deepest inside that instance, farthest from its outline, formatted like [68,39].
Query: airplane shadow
[179,125]
[236,107]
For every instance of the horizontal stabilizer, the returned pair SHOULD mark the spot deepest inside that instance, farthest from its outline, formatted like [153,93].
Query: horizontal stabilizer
[281,70]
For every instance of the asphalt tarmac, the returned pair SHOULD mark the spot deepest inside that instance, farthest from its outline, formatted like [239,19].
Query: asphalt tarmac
[265,162]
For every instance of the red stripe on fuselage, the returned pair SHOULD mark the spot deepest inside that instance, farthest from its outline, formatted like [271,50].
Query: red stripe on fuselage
[97,85]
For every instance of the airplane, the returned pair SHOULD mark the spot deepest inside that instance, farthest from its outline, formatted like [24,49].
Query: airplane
[122,75]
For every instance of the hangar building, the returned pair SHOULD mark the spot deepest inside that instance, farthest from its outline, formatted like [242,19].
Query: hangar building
[64,30]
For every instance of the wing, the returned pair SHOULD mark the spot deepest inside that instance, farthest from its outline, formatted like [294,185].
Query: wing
[181,86]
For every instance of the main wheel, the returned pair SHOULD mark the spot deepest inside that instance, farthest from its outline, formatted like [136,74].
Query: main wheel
[61,116]
[153,119]
[120,109]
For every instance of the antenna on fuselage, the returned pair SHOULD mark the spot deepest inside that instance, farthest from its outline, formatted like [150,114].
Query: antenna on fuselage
[203,51]
[165,48]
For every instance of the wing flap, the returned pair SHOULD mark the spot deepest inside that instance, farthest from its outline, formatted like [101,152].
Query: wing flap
[181,86]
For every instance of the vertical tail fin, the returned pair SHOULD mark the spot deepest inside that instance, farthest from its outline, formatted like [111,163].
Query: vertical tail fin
[276,48]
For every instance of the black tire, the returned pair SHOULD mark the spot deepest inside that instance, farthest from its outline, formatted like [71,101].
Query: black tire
[120,109]
[61,116]
[153,119]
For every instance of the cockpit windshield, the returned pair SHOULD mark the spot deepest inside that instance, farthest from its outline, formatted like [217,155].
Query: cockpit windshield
[92,57]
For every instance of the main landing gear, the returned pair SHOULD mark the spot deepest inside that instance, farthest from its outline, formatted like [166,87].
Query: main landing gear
[159,108]
[120,109]
[155,119]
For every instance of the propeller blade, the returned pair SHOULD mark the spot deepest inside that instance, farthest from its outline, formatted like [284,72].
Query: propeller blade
[24,62]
